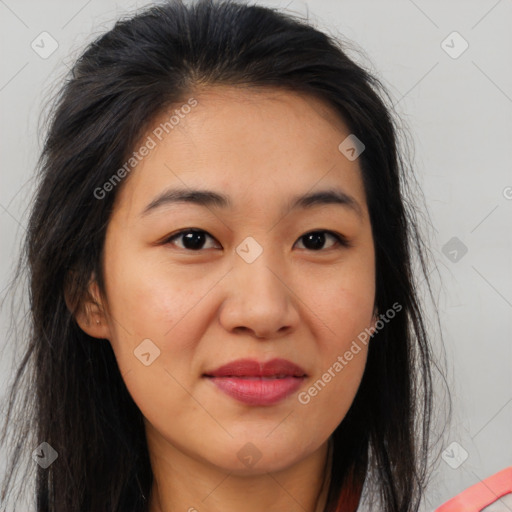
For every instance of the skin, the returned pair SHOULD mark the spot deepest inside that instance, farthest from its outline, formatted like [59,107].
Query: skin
[205,308]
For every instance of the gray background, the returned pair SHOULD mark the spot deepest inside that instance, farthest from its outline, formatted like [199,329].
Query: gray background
[459,111]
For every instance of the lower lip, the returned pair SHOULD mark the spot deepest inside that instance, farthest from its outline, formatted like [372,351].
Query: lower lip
[258,390]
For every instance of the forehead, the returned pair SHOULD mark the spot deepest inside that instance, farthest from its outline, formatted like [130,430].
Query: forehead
[292,115]
[251,143]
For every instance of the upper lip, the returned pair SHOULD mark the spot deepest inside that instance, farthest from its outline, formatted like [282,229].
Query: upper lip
[254,368]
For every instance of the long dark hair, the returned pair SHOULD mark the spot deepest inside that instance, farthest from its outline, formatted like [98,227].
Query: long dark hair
[68,391]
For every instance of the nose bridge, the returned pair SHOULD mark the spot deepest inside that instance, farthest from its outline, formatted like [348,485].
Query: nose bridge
[256,267]
[258,299]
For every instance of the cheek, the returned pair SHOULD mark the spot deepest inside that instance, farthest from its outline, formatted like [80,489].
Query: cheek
[149,300]
[144,295]
[343,301]
[148,304]
[345,306]
[352,312]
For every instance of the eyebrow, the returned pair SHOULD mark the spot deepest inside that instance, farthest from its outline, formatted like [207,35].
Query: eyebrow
[209,198]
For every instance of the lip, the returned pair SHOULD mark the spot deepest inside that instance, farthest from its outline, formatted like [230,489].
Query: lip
[258,383]
[253,368]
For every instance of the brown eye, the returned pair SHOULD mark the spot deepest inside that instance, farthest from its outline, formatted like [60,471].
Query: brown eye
[315,240]
[195,240]
[192,239]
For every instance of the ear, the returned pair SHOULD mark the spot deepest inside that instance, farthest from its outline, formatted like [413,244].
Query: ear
[89,312]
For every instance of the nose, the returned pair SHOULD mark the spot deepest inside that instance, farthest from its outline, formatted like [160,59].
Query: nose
[259,299]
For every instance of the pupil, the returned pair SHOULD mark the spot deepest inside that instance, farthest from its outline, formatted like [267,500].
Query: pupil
[317,238]
[193,240]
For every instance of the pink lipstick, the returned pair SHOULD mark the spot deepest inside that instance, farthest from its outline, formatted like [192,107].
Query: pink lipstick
[258,383]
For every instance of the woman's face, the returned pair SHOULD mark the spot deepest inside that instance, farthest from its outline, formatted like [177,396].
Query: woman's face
[252,283]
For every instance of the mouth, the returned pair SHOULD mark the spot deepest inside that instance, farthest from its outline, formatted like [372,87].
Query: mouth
[251,368]
[255,383]
[251,377]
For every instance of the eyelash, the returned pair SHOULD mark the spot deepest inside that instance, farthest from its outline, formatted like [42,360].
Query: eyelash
[341,240]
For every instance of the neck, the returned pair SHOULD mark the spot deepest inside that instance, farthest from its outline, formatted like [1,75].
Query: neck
[189,485]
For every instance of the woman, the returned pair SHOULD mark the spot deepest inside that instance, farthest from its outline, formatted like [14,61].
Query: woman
[224,314]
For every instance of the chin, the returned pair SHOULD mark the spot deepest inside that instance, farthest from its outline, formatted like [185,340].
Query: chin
[259,456]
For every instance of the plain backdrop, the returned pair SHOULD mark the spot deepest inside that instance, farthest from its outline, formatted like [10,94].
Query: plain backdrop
[454,93]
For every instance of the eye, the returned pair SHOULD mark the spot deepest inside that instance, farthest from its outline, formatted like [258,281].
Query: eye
[193,239]
[315,240]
